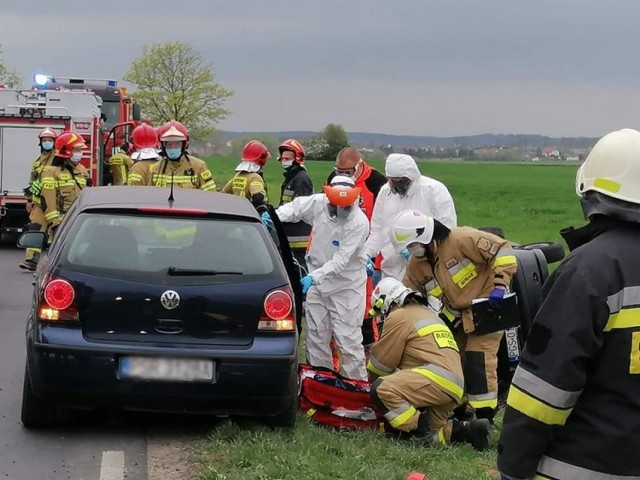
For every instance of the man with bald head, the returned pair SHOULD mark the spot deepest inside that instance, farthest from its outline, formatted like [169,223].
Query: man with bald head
[349,163]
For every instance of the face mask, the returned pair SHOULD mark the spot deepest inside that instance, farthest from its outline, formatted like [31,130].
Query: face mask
[343,212]
[286,163]
[76,157]
[47,146]
[417,250]
[174,153]
[400,188]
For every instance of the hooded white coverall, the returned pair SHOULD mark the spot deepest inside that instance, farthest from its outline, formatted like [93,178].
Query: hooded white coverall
[336,300]
[425,195]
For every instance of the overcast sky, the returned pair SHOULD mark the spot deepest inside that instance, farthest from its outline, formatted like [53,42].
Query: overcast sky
[423,67]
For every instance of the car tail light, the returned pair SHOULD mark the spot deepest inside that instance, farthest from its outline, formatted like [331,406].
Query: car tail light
[58,301]
[278,314]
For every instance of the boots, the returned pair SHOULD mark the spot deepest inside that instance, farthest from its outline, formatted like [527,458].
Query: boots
[485,412]
[423,435]
[29,265]
[474,432]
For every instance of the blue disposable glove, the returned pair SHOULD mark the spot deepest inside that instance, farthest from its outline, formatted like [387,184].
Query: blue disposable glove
[266,219]
[369,267]
[495,298]
[306,283]
[405,253]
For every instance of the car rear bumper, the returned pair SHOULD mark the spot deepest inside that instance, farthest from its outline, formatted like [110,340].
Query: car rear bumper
[88,376]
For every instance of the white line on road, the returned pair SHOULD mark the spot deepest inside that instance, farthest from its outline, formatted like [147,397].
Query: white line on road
[112,467]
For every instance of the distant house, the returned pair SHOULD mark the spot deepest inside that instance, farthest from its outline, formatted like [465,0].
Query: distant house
[550,152]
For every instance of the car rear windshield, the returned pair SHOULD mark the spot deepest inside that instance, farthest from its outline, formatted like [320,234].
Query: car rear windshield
[169,250]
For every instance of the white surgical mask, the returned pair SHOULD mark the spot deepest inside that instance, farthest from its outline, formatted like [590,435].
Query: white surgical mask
[417,250]
[286,163]
[76,157]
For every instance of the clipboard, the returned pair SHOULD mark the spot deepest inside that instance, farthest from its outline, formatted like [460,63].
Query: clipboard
[487,320]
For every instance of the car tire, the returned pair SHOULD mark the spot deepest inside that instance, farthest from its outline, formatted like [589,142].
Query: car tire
[552,251]
[287,418]
[35,413]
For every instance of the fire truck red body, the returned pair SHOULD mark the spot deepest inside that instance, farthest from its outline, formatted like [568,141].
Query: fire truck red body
[23,113]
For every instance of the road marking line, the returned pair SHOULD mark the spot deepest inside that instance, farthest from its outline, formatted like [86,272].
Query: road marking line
[112,467]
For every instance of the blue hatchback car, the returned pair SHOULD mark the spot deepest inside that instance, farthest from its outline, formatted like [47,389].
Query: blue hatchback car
[142,303]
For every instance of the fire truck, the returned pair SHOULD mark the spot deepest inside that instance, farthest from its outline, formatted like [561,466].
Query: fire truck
[119,113]
[23,113]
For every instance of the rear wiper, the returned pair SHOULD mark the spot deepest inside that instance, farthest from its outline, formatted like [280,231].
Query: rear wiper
[187,272]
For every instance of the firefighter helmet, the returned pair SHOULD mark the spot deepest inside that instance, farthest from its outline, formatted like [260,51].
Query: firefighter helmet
[174,131]
[294,146]
[389,291]
[66,142]
[144,136]
[47,133]
[411,226]
[342,192]
[613,167]
[255,152]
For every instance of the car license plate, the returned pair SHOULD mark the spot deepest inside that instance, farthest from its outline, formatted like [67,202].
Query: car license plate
[513,344]
[158,368]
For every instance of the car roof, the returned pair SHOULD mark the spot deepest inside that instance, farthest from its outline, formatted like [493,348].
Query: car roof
[121,197]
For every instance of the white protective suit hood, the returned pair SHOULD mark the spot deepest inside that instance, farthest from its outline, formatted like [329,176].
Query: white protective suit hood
[401,165]
[426,195]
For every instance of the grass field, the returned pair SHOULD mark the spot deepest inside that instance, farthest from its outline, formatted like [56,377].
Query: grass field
[531,203]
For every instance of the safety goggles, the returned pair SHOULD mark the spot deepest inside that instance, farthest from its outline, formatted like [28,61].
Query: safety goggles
[347,172]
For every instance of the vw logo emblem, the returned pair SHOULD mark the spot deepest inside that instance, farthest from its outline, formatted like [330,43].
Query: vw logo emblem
[170,299]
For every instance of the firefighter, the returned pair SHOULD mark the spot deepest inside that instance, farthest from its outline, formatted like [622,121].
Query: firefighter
[457,266]
[248,181]
[145,144]
[120,164]
[37,221]
[178,167]
[63,181]
[349,163]
[335,285]
[297,183]
[406,189]
[416,371]
[572,410]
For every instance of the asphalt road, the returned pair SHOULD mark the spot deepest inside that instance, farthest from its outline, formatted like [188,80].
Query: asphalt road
[96,446]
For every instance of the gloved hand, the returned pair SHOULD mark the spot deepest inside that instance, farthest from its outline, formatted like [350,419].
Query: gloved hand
[266,219]
[35,187]
[495,298]
[306,283]
[405,253]
[369,267]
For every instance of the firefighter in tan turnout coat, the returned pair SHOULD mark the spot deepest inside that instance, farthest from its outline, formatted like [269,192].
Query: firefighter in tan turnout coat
[418,365]
[457,266]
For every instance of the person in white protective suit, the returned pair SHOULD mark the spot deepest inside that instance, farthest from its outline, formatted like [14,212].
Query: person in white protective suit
[406,189]
[336,283]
